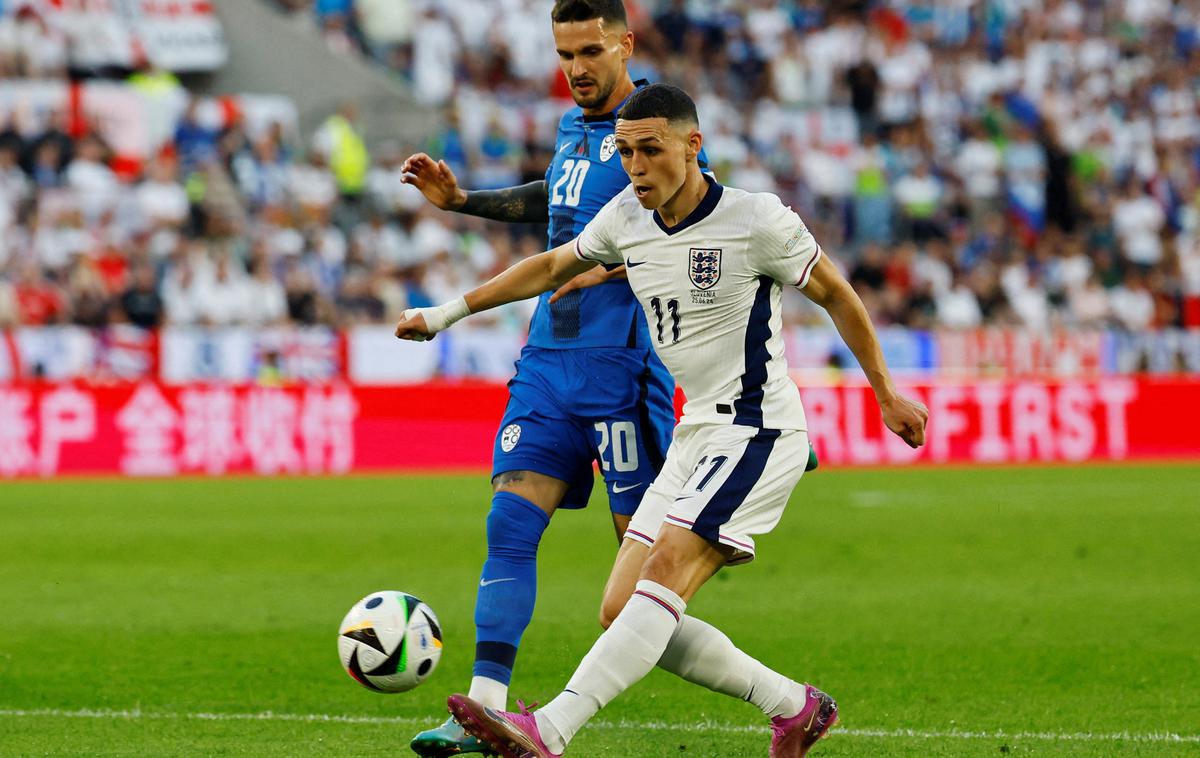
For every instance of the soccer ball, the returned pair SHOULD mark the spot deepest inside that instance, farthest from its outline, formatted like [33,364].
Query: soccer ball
[390,641]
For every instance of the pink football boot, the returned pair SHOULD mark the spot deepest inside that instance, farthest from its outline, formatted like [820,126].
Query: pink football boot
[793,737]
[512,735]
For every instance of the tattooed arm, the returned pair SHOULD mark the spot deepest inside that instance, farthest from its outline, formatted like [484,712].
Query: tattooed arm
[527,202]
[524,203]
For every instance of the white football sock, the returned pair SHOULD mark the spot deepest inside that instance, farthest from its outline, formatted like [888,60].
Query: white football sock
[702,654]
[624,654]
[491,693]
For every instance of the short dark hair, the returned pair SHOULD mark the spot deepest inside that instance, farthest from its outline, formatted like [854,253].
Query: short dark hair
[660,101]
[585,10]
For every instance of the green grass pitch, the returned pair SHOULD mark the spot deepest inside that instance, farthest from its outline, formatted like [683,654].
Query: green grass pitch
[952,612]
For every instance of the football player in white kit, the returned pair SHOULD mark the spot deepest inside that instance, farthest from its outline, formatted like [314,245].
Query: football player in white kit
[707,263]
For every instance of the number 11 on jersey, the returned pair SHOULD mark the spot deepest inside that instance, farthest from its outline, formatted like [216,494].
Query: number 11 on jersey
[673,307]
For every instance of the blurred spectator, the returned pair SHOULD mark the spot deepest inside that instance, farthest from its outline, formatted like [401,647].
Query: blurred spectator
[89,300]
[450,145]
[266,301]
[183,285]
[336,18]
[870,272]
[140,303]
[863,81]
[261,174]
[1025,170]
[753,176]
[767,24]
[674,24]
[1188,253]
[919,197]
[1133,304]
[386,25]
[151,81]
[790,78]
[356,303]
[162,206]
[1060,194]
[303,302]
[378,240]
[1138,220]
[1088,304]
[222,298]
[94,183]
[10,313]
[957,306]
[39,301]
[312,186]
[903,63]
[195,143]
[498,162]
[47,164]
[30,47]
[385,183]
[14,184]
[1166,304]
[978,165]
[328,244]
[60,234]
[872,203]
[435,50]
[339,141]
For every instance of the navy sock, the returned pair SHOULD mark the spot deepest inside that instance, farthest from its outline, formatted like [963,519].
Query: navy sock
[508,584]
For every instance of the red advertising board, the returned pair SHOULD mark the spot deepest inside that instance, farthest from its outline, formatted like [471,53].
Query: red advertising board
[150,429]
[1112,419]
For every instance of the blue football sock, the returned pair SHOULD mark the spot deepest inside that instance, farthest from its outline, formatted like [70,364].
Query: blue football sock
[508,584]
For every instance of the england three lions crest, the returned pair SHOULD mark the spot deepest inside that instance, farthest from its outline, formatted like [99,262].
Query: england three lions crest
[704,267]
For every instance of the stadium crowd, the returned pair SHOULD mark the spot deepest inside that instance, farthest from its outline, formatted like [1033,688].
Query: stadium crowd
[971,162]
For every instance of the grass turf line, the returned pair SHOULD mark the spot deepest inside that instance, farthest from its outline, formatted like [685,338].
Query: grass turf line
[1050,600]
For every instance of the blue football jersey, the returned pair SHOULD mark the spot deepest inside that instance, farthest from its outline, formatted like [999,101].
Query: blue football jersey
[585,174]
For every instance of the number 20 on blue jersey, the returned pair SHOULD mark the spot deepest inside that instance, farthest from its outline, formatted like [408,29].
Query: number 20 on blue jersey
[573,173]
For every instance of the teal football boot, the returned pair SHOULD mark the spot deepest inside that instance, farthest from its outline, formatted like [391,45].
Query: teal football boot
[447,740]
[812,460]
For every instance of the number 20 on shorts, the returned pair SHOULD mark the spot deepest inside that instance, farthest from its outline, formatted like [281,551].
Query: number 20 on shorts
[622,440]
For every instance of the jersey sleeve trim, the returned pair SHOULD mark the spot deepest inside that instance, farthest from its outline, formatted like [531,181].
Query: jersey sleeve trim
[583,257]
[803,282]
[580,255]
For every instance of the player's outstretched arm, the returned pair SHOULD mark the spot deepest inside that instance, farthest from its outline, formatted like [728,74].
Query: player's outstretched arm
[523,203]
[523,280]
[598,275]
[829,289]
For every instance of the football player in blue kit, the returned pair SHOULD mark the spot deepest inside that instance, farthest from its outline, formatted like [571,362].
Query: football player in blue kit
[588,386]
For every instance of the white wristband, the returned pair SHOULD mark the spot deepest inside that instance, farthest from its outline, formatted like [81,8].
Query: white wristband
[443,316]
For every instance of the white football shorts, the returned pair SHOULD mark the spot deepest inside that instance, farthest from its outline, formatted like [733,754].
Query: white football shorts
[725,483]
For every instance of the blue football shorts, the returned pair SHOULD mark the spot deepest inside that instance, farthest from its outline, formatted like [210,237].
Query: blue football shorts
[570,408]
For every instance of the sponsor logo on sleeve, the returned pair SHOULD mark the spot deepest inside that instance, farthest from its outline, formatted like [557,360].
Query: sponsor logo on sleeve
[790,245]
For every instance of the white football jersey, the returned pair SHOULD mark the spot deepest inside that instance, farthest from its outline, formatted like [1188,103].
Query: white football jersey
[710,287]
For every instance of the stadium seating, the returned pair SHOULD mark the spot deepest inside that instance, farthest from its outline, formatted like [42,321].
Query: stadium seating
[1027,170]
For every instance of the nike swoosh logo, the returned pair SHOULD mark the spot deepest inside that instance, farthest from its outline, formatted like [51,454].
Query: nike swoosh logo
[563,149]
[631,264]
[618,489]
[490,582]
[811,720]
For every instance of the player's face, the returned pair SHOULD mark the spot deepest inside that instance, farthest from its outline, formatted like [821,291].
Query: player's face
[655,153]
[592,55]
